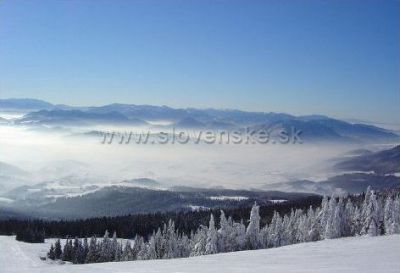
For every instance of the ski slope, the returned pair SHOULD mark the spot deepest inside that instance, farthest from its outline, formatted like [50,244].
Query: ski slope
[353,255]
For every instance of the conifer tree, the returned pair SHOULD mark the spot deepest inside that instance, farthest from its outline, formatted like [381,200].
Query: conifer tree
[253,229]
[223,234]
[93,252]
[51,254]
[57,250]
[127,254]
[212,238]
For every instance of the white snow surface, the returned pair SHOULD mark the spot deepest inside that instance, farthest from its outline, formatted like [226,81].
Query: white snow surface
[277,201]
[223,197]
[352,255]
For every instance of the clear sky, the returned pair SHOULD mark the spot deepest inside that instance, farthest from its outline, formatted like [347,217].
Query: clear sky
[340,58]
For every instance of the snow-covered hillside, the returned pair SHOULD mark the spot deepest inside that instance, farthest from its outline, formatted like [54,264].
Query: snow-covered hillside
[360,254]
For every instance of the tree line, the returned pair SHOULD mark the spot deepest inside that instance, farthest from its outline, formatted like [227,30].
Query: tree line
[140,224]
[371,214]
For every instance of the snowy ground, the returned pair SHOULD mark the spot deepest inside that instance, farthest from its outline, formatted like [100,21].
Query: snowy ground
[367,255]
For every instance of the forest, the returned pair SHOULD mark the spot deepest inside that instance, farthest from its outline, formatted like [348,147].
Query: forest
[129,226]
[372,214]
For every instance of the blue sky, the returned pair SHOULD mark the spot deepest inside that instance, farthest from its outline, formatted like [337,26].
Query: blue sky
[339,58]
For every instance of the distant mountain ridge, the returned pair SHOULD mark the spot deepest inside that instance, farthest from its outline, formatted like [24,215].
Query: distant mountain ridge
[122,200]
[379,170]
[384,162]
[77,117]
[313,127]
[24,104]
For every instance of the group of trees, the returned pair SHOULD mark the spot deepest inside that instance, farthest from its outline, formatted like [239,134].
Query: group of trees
[375,214]
[128,226]
[30,235]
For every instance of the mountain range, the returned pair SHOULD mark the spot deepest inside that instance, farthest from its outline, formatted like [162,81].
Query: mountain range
[312,128]
[365,168]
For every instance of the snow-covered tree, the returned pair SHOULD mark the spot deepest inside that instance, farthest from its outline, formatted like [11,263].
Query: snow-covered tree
[223,234]
[199,242]
[314,232]
[371,224]
[388,216]
[253,229]
[289,226]
[335,218]
[392,215]
[184,246]
[93,253]
[240,235]
[113,246]
[212,238]
[138,250]
[51,254]
[323,216]
[141,248]
[67,251]
[106,252]
[276,230]
[331,228]
[348,225]
[57,249]
[78,253]
[127,254]
[118,253]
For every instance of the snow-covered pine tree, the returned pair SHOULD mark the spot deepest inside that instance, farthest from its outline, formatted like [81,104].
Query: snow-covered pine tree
[348,225]
[364,211]
[199,241]
[57,249]
[106,253]
[85,248]
[141,248]
[152,253]
[392,215]
[240,234]
[313,233]
[127,254]
[51,254]
[289,223]
[171,244]
[323,217]
[118,253]
[388,216]
[67,251]
[301,229]
[253,229]
[357,222]
[184,246]
[371,215]
[231,240]
[113,246]
[93,252]
[264,233]
[78,256]
[160,243]
[330,224]
[277,235]
[396,214]
[137,247]
[212,238]
[223,234]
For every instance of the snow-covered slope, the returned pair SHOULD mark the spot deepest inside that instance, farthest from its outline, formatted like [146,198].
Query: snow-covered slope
[352,255]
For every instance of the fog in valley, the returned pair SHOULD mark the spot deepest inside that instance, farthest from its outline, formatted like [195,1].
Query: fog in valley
[34,154]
